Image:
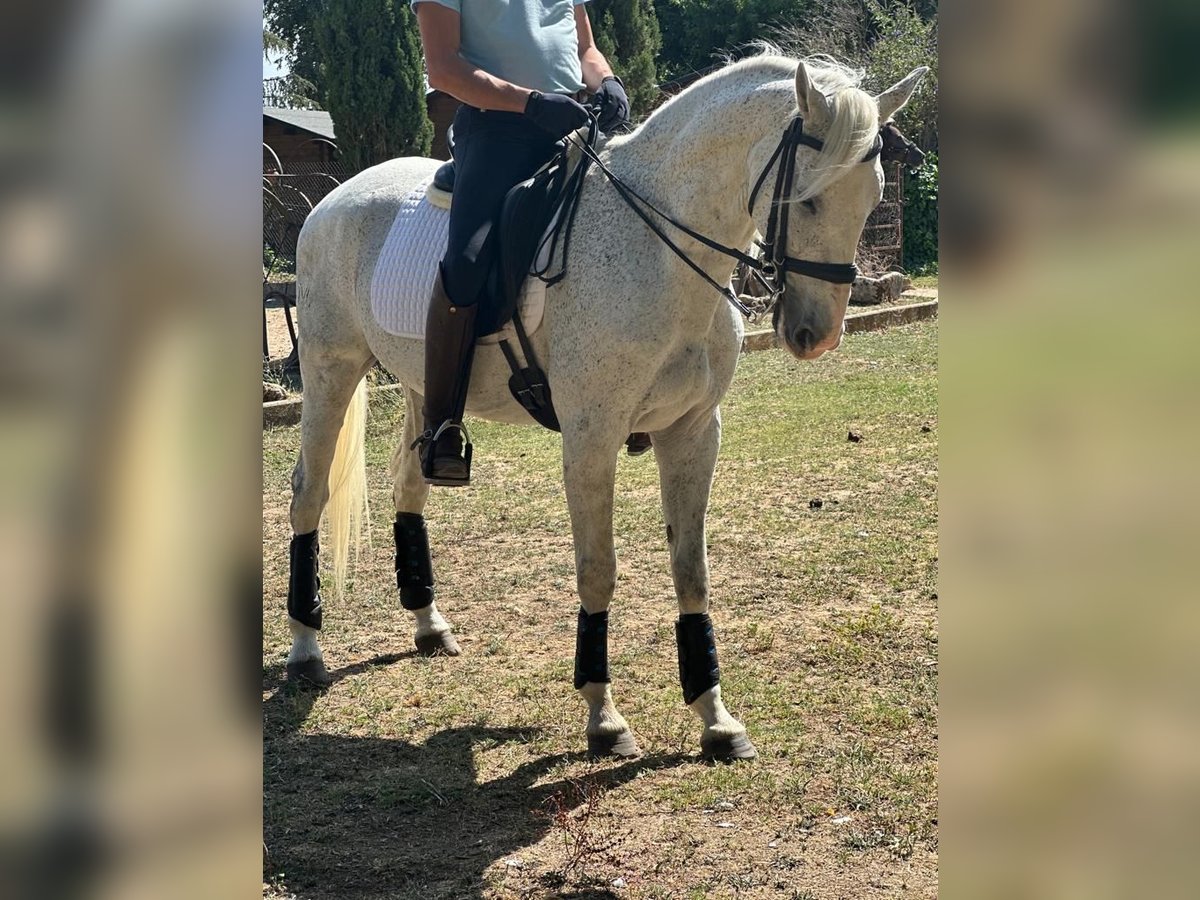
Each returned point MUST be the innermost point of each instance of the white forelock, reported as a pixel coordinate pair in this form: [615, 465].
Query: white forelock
[849, 135]
[855, 123]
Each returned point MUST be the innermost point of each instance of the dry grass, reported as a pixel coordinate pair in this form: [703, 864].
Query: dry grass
[458, 778]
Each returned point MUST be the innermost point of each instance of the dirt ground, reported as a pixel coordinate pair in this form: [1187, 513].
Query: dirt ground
[279, 342]
[465, 778]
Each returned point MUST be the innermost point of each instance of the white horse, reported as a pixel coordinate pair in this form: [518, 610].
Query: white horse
[632, 340]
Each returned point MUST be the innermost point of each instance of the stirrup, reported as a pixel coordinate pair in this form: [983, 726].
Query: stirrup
[428, 456]
[430, 436]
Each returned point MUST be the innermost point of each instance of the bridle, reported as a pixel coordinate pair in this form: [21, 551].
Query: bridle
[775, 263]
[772, 268]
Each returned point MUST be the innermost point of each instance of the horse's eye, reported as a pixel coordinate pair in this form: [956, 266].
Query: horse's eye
[810, 205]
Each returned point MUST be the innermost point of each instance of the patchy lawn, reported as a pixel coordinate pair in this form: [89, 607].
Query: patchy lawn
[458, 778]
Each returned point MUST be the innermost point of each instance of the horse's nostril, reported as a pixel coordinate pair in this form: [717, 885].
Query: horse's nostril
[803, 338]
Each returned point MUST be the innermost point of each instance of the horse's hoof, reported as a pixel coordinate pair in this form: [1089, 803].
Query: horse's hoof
[309, 673]
[726, 748]
[613, 746]
[440, 643]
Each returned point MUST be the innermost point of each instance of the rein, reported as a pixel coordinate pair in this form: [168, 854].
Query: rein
[771, 271]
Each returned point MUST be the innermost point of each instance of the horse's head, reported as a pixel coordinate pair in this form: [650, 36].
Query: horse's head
[837, 182]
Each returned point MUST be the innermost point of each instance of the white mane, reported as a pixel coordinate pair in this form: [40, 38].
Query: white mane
[855, 113]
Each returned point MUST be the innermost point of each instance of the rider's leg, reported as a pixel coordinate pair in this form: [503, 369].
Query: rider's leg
[493, 151]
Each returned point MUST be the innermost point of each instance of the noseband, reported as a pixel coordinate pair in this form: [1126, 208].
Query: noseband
[772, 269]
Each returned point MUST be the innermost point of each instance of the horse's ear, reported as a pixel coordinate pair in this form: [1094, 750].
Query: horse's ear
[891, 100]
[814, 106]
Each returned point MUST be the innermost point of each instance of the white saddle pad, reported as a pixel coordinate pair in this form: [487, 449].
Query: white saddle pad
[403, 279]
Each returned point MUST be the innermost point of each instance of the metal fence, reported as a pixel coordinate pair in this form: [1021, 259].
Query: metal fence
[288, 198]
[880, 247]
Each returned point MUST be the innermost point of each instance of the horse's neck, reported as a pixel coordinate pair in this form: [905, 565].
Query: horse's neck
[691, 160]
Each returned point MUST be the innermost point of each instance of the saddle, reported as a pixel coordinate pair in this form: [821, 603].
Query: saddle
[536, 213]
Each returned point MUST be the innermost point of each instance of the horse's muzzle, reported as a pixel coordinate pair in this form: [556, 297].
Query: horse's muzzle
[807, 339]
[802, 347]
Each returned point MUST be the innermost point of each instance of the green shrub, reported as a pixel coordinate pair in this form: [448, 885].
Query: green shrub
[275, 265]
[887, 39]
[901, 42]
[626, 32]
[920, 252]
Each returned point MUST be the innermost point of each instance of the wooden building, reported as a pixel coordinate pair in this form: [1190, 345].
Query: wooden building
[300, 138]
[440, 108]
[306, 136]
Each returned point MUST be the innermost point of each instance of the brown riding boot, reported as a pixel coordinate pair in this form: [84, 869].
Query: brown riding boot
[638, 443]
[449, 348]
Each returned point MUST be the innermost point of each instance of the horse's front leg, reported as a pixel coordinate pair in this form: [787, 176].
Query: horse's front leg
[687, 456]
[414, 564]
[589, 473]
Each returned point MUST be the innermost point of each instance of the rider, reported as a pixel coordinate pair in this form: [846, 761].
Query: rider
[519, 67]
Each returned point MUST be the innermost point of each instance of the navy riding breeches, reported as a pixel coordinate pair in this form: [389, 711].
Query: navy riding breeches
[492, 152]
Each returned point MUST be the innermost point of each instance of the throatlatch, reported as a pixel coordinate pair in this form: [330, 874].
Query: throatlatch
[414, 567]
[304, 584]
[698, 669]
[591, 649]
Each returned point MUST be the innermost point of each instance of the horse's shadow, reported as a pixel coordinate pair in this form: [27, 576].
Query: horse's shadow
[349, 817]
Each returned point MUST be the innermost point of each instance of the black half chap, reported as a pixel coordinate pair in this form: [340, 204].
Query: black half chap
[414, 566]
[304, 584]
[591, 649]
[698, 670]
[492, 152]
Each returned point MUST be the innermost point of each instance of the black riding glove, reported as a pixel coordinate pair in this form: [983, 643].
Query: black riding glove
[555, 113]
[614, 104]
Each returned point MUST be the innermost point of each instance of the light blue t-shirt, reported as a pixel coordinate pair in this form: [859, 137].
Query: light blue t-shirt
[531, 43]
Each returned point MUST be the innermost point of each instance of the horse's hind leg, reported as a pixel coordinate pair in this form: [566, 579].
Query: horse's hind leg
[414, 566]
[589, 473]
[687, 456]
[330, 380]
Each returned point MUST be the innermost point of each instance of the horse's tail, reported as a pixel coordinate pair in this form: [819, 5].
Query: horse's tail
[347, 511]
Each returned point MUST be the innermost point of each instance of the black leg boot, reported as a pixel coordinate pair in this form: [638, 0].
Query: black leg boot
[449, 348]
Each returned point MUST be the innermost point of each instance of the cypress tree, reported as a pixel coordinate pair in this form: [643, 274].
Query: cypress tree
[373, 79]
[627, 33]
